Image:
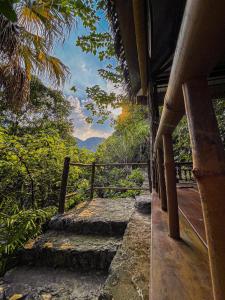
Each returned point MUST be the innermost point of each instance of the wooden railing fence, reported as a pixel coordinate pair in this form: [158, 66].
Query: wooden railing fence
[184, 172]
[67, 164]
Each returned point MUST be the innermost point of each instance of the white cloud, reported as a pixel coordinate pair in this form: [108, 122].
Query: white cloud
[82, 129]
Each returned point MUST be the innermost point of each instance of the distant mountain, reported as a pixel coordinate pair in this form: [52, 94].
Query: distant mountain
[90, 144]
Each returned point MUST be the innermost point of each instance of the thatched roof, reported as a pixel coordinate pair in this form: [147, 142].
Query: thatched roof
[125, 49]
[119, 49]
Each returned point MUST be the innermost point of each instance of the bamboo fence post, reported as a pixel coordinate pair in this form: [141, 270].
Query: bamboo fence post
[171, 190]
[92, 180]
[65, 174]
[149, 175]
[162, 179]
[209, 170]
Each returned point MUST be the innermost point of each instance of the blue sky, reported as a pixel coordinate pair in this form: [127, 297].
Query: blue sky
[83, 68]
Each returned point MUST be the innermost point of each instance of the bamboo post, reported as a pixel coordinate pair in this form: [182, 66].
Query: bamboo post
[62, 197]
[162, 179]
[92, 180]
[209, 170]
[149, 175]
[171, 190]
[156, 176]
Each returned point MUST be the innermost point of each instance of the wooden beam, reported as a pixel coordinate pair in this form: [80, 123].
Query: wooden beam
[170, 176]
[162, 183]
[209, 170]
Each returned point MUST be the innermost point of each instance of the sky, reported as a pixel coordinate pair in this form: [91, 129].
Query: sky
[83, 68]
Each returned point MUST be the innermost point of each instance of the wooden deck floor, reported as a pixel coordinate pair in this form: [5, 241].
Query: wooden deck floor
[179, 269]
[190, 206]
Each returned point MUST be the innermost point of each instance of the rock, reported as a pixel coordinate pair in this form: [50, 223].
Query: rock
[143, 203]
[129, 270]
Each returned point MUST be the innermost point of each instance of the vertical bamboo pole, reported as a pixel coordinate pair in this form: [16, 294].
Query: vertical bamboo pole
[162, 179]
[156, 176]
[92, 180]
[209, 170]
[149, 175]
[65, 175]
[171, 190]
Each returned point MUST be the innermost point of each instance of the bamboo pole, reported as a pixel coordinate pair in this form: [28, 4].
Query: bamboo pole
[170, 176]
[120, 188]
[162, 180]
[65, 174]
[149, 176]
[209, 170]
[92, 180]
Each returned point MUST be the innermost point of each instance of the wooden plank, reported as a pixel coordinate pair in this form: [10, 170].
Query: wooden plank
[179, 269]
[189, 203]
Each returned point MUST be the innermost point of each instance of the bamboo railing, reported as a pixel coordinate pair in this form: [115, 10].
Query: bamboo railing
[67, 164]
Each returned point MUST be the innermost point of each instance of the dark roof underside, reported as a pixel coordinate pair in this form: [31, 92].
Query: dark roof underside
[163, 20]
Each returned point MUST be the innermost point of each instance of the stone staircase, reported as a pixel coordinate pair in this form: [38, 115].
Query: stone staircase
[72, 259]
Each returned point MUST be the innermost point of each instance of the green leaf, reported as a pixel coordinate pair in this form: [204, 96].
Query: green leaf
[6, 8]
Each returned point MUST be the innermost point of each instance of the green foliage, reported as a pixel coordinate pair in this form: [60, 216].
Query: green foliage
[7, 9]
[181, 139]
[101, 100]
[182, 146]
[47, 110]
[17, 226]
[97, 43]
[31, 167]
[118, 177]
[129, 142]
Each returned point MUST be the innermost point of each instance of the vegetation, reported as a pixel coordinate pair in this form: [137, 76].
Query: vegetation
[182, 147]
[33, 144]
[129, 143]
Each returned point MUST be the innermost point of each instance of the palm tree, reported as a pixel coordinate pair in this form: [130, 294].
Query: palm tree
[25, 46]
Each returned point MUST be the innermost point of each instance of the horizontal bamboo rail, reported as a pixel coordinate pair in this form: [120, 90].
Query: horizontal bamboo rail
[109, 165]
[120, 188]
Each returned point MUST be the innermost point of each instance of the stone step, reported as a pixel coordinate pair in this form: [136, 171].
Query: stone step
[42, 283]
[67, 250]
[99, 217]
